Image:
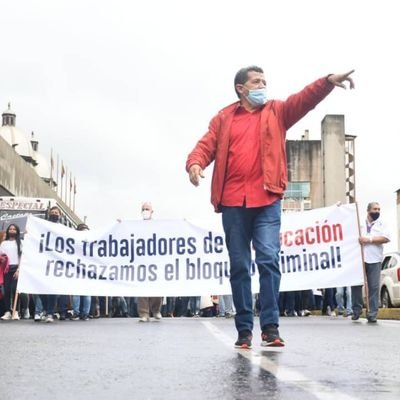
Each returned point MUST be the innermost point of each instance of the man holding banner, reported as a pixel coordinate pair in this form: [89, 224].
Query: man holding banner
[247, 142]
[374, 235]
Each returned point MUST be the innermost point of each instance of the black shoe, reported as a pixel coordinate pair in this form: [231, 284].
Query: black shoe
[75, 317]
[270, 337]
[85, 317]
[355, 316]
[244, 340]
[372, 320]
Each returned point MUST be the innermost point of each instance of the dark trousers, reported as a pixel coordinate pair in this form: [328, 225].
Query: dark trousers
[10, 287]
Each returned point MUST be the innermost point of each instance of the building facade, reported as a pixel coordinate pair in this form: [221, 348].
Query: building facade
[24, 172]
[321, 172]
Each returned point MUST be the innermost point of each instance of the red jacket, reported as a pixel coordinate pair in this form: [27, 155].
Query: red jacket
[4, 267]
[276, 118]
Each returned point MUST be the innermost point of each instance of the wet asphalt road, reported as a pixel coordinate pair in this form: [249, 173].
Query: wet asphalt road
[194, 358]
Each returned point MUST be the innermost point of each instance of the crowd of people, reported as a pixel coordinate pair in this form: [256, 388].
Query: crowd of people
[329, 301]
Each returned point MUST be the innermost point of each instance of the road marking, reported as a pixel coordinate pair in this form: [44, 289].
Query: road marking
[319, 390]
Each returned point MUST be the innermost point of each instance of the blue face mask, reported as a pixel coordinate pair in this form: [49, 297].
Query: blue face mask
[257, 97]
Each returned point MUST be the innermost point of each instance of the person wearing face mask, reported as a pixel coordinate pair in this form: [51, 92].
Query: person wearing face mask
[81, 304]
[50, 300]
[374, 235]
[12, 247]
[149, 305]
[246, 141]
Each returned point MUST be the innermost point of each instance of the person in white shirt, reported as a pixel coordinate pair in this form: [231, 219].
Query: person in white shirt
[374, 235]
[12, 247]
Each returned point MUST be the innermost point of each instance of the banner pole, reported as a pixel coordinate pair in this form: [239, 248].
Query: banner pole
[363, 262]
[14, 310]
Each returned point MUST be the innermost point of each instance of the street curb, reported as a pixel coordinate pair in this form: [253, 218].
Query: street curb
[383, 313]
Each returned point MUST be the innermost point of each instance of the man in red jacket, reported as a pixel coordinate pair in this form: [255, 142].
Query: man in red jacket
[247, 142]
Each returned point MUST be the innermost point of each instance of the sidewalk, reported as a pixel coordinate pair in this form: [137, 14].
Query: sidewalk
[384, 313]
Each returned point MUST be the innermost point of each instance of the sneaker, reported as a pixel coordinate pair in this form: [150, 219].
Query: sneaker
[355, 316]
[85, 317]
[74, 317]
[347, 314]
[372, 320]
[270, 337]
[157, 317]
[49, 319]
[244, 340]
[144, 319]
[6, 316]
[330, 312]
[37, 317]
[15, 316]
[27, 314]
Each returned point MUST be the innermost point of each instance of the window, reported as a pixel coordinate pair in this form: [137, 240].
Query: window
[298, 190]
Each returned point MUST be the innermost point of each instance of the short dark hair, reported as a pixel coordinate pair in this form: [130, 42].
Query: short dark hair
[82, 227]
[242, 75]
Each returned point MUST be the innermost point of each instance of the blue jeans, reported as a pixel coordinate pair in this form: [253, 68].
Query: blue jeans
[340, 299]
[194, 305]
[170, 306]
[76, 304]
[225, 305]
[51, 303]
[38, 303]
[258, 226]
[328, 300]
[293, 303]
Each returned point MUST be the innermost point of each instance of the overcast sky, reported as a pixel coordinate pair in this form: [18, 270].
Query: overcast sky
[122, 90]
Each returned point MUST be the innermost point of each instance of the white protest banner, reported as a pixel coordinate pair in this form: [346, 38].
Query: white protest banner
[320, 249]
[175, 258]
[131, 258]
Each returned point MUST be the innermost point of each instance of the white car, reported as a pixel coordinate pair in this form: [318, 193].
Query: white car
[390, 280]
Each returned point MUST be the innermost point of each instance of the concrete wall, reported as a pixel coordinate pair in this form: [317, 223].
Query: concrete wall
[333, 159]
[305, 164]
[18, 178]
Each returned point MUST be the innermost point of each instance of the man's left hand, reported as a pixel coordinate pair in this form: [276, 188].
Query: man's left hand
[338, 79]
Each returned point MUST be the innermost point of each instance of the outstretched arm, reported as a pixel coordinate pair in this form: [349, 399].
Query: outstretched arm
[298, 105]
